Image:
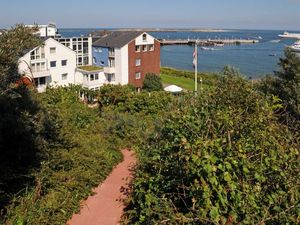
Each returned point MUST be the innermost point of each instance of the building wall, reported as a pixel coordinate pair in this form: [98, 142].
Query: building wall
[53, 75]
[122, 65]
[101, 56]
[83, 79]
[82, 46]
[150, 60]
[62, 53]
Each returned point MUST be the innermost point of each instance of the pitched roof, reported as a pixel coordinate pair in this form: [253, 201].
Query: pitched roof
[117, 39]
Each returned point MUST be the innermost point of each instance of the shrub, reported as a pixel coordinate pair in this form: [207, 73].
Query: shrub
[221, 158]
[152, 82]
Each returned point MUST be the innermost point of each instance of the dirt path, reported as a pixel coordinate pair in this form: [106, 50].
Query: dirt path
[105, 207]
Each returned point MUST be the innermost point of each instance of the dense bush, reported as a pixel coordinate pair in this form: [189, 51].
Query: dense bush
[221, 158]
[152, 82]
[69, 168]
[286, 85]
[25, 130]
[125, 99]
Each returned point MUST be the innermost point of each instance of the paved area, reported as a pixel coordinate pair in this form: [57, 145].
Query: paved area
[105, 207]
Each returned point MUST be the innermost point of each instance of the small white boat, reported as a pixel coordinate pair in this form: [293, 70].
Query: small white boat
[275, 41]
[207, 48]
[219, 45]
[295, 47]
[289, 35]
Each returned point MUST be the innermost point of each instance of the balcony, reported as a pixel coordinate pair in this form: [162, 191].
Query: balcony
[109, 70]
[44, 73]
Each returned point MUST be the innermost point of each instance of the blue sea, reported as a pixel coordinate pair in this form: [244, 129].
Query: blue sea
[253, 60]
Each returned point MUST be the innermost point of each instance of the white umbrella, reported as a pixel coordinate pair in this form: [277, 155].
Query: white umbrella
[173, 89]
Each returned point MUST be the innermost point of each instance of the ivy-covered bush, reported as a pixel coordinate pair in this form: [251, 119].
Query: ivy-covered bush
[221, 158]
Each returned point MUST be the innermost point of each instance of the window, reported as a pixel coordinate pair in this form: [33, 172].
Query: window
[42, 81]
[137, 62]
[144, 48]
[137, 48]
[150, 47]
[144, 37]
[52, 50]
[111, 62]
[64, 76]
[92, 77]
[138, 75]
[94, 60]
[110, 77]
[63, 62]
[53, 64]
[96, 76]
[85, 60]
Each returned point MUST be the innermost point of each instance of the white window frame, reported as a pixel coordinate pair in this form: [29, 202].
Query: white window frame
[52, 50]
[138, 75]
[64, 76]
[137, 48]
[138, 62]
[52, 62]
[144, 48]
[64, 60]
[150, 48]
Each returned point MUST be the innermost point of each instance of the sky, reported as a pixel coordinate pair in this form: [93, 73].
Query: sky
[222, 14]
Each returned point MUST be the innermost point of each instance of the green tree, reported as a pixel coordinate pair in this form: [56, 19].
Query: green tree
[229, 70]
[24, 126]
[152, 82]
[13, 45]
[286, 85]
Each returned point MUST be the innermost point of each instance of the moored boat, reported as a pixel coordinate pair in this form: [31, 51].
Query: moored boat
[289, 35]
[295, 47]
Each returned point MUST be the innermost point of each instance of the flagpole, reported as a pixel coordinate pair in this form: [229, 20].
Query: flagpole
[196, 67]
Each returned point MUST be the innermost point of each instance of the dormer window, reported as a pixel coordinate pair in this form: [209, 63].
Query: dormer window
[144, 37]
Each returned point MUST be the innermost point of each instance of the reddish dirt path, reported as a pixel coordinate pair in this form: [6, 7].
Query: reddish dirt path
[105, 207]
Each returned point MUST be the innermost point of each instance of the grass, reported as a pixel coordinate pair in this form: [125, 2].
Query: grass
[183, 82]
[185, 79]
[90, 68]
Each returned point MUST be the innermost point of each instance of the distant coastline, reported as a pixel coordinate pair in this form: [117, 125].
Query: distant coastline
[173, 30]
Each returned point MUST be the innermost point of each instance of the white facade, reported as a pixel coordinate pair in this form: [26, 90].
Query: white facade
[144, 39]
[91, 80]
[120, 68]
[49, 30]
[121, 65]
[51, 64]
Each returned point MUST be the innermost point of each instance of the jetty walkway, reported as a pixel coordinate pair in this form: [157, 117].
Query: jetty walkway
[207, 42]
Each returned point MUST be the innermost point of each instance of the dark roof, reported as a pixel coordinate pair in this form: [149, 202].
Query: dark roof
[2, 30]
[117, 39]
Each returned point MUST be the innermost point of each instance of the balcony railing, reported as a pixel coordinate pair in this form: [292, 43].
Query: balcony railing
[109, 70]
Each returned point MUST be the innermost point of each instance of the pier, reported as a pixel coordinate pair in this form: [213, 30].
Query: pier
[207, 42]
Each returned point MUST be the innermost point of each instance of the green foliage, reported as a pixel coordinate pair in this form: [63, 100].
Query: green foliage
[25, 130]
[114, 94]
[229, 70]
[219, 158]
[286, 85]
[13, 45]
[81, 158]
[152, 82]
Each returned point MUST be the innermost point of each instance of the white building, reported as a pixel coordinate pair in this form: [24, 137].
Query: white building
[91, 77]
[82, 46]
[50, 64]
[54, 64]
[49, 30]
[127, 56]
